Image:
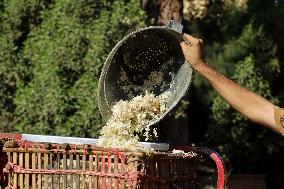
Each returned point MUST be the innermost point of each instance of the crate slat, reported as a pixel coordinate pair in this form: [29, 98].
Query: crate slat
[103, 170]
[33, 167]
[77, 177]
[83, 168]
[27, 165]
[96, 170]
[21, 163]
[45, 166]
[51, 165]
[115, 171]
[15, 161]
[64, 168]
[91, 164]
[57, 177]
[71, 167]
[109, 179]
[39, 160]
[122, 168]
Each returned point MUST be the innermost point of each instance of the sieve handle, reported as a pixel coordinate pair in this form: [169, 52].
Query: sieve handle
[174, 25]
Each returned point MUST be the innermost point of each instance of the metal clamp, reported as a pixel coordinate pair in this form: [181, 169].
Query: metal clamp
[176, 26]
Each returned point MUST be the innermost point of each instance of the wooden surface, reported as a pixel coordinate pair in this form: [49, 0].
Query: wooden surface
[37, 166]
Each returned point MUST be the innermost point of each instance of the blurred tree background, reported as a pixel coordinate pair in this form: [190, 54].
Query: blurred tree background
[51, 55]
[242, 41]
[51, 52]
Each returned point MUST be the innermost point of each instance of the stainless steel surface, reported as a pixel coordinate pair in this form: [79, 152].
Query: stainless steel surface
[175, 26]
[77, 140]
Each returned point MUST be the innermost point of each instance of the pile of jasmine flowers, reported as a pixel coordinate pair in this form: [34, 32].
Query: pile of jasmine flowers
[130, 119]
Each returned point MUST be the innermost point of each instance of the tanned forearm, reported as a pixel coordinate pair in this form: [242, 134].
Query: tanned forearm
[251, 105]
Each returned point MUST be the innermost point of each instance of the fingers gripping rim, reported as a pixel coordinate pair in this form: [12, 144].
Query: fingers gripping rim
[186, 41]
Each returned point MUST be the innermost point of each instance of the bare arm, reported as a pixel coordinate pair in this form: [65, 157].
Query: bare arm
[251, 105]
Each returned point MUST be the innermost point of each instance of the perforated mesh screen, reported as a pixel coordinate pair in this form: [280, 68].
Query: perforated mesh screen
[150, 60]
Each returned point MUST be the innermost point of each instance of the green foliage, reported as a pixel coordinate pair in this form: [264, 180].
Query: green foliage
[254, 65]
[52, 55]
[239, 44]
[16, 21]
[250, 77]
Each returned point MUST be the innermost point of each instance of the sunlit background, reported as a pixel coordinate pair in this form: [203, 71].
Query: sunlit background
[51, 53]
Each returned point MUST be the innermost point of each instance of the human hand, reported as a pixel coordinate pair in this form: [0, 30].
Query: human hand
[193, 50]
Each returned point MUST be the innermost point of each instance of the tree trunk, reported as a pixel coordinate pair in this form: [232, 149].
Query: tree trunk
[170, 129]
[163, 10]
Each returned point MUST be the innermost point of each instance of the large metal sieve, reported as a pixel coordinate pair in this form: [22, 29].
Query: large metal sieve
[151, 54]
